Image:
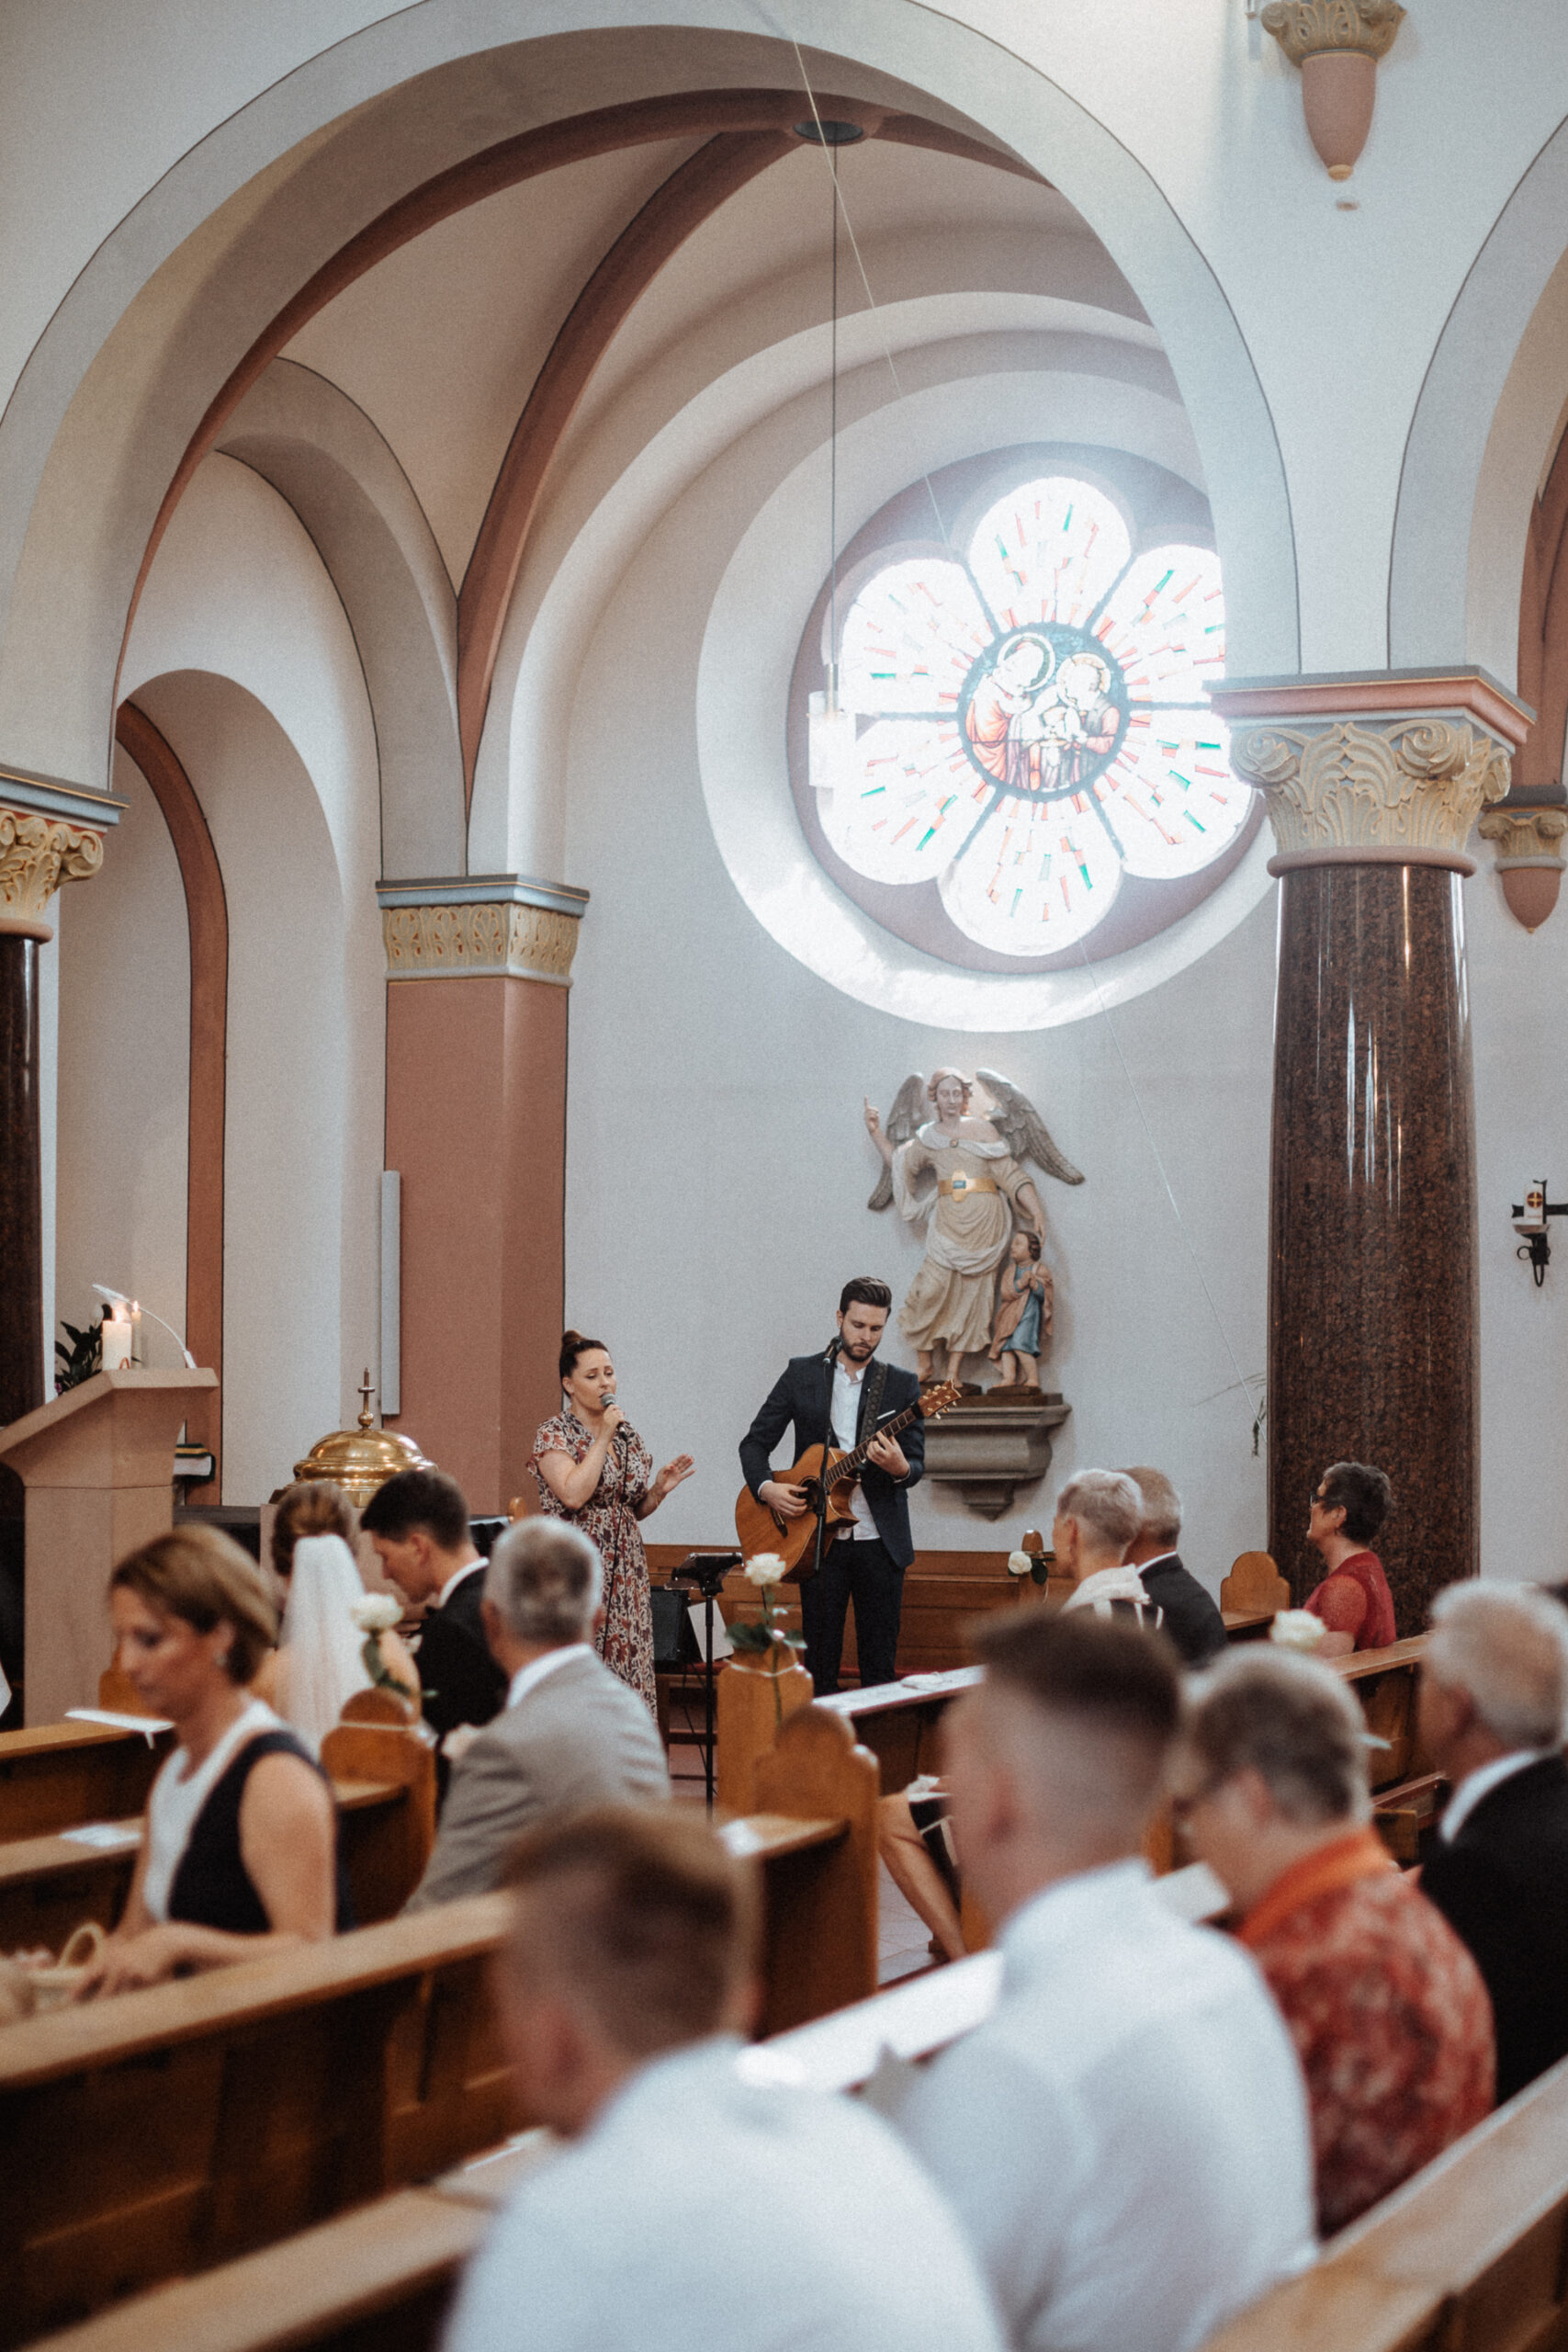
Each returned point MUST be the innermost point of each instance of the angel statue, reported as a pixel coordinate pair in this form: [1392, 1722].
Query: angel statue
[963, 1179]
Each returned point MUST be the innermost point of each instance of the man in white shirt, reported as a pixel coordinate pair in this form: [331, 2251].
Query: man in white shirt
[1099, 1514]
[571, 1734]
[1494, 1703]
[696, 2207]
[1126, 2138]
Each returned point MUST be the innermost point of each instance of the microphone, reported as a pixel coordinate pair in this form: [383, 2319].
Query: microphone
[834, 1345]
[609, 1398]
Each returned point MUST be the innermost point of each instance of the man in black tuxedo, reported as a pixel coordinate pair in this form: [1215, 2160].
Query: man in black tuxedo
[1493, 1699]
[418, 1523]
[865, 1564]
[1190, 1617]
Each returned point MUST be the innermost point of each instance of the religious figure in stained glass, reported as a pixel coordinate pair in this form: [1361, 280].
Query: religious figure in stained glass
[1030, 720]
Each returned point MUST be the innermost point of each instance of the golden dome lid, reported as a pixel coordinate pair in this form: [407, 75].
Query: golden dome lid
[360, 1459]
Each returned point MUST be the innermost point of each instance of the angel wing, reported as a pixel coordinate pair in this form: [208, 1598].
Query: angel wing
[902, 1122]
[1022, 1129]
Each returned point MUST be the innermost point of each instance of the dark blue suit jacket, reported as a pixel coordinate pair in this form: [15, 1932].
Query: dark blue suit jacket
[804, 1396]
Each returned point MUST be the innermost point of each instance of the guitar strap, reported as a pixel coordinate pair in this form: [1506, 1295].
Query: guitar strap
[875, 1382]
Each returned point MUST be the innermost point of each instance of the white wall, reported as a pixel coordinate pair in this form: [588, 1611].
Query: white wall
[123, 1065]
[718, 1167]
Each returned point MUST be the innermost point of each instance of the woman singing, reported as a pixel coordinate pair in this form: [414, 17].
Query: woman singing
[594, 1469]
[239, 1854]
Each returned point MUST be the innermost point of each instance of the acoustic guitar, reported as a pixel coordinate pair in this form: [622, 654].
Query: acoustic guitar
[759, 1527]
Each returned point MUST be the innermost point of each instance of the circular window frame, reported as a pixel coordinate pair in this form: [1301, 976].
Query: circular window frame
[1156, 505]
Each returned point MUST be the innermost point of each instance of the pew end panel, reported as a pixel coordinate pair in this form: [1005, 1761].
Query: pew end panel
[1254, 1584]
[386, 1850]
[749, 1709]
[50, 1886]
[821, 1903]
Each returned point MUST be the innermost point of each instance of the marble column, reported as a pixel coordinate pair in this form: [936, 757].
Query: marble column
[479, 972]
[43, 843]
[1373, 785]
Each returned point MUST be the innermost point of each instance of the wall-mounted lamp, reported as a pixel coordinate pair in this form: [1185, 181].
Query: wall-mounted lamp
[1530, 1222]
[1337, 43]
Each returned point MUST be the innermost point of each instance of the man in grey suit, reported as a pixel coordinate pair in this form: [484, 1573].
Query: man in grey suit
[570, 1734]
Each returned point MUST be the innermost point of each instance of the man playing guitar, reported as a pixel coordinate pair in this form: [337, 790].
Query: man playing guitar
[841, 1398]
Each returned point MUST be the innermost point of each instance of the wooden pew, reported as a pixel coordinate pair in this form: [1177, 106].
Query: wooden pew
[174, 2129]
[379, 2279]
[383, 1779]
[60, 1774]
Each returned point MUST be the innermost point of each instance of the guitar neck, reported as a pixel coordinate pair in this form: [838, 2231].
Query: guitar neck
[854, 1464]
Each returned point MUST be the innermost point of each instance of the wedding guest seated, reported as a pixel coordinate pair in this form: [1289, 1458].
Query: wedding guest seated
[418, 1523]
[697, 2203]
[1125, 2137]
[239, 1856]
[1385, 2006]
[1349, 1504]
[571, 1734]
[1493, 1708]
[318, 1662]
[1099, 1516]
[1190, 1617]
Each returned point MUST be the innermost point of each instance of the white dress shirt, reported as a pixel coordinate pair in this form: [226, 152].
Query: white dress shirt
[469, 1569]
[702, 2213]
[1125, 2138]
[847, 1386]
[1481, 1783]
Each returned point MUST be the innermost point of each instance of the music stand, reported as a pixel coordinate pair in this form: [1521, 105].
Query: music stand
[706, 1572]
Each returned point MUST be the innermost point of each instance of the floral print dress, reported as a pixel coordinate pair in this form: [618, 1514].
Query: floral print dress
[608, 1519]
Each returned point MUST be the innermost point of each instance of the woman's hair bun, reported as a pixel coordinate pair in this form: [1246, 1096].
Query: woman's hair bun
[571, 1338]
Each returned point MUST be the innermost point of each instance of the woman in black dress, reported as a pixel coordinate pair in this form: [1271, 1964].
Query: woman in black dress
[239, 1854]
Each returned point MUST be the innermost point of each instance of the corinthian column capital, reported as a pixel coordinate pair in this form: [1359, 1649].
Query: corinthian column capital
[1376, 769]
[45, 841]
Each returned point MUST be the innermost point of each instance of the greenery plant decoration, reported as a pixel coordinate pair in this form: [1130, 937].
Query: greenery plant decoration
[81, 1360]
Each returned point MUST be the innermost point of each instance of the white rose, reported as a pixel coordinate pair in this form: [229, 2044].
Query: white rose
[375, 1613]
[1019, 1563]
[1297, 1629]
[766, 1569]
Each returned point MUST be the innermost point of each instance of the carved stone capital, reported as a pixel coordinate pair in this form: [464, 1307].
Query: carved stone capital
[1343, 791]
[1530, 859]
[483, 941]
[1532, 833]
[1306, 28]
[37, 853]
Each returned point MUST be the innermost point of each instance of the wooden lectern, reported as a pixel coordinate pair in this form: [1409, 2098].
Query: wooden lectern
[98, 1465]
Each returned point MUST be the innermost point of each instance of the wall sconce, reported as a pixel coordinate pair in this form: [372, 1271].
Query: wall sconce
[1337, 43]
[1529, 1221]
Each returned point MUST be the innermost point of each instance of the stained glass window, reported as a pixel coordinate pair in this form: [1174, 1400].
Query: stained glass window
[1031, 724]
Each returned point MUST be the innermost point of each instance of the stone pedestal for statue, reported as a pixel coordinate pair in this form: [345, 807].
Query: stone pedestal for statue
[99, 1467]
[1373, 784]
[988, 1450]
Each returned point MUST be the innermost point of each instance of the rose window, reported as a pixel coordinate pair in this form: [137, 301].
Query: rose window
[1029, 729]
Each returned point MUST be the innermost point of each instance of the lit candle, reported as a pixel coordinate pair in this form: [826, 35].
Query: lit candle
[116, 1343]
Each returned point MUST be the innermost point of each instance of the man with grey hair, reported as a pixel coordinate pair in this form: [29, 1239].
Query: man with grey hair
[1099, 1514]
[1493, 1699]
[570, 1734]
[1385, 2006]
[1190, 1617]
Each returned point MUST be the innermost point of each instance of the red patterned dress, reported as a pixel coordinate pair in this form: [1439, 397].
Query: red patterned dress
[608, 1519]
[1354, 1599]
[1389, 2018]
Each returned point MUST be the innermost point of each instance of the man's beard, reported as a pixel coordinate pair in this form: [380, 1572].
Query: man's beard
[860, 1351]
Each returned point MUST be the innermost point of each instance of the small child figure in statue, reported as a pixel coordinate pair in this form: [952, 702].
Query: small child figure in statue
[1024, 1300]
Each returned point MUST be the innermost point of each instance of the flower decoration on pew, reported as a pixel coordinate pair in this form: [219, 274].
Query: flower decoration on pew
[1297, 1629]
[770, 1632]
[376, 1613]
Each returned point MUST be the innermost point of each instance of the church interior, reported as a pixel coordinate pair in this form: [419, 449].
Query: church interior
[733, 676]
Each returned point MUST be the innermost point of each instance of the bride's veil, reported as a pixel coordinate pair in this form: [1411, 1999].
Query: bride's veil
[321, 1666]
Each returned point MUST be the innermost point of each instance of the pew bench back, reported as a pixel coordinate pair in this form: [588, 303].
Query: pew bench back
[58, 1775]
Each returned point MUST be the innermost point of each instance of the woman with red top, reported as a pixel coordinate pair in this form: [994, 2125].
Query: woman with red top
[1349, 1505]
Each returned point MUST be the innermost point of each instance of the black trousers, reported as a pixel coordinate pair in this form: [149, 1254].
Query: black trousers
[862, 1573]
